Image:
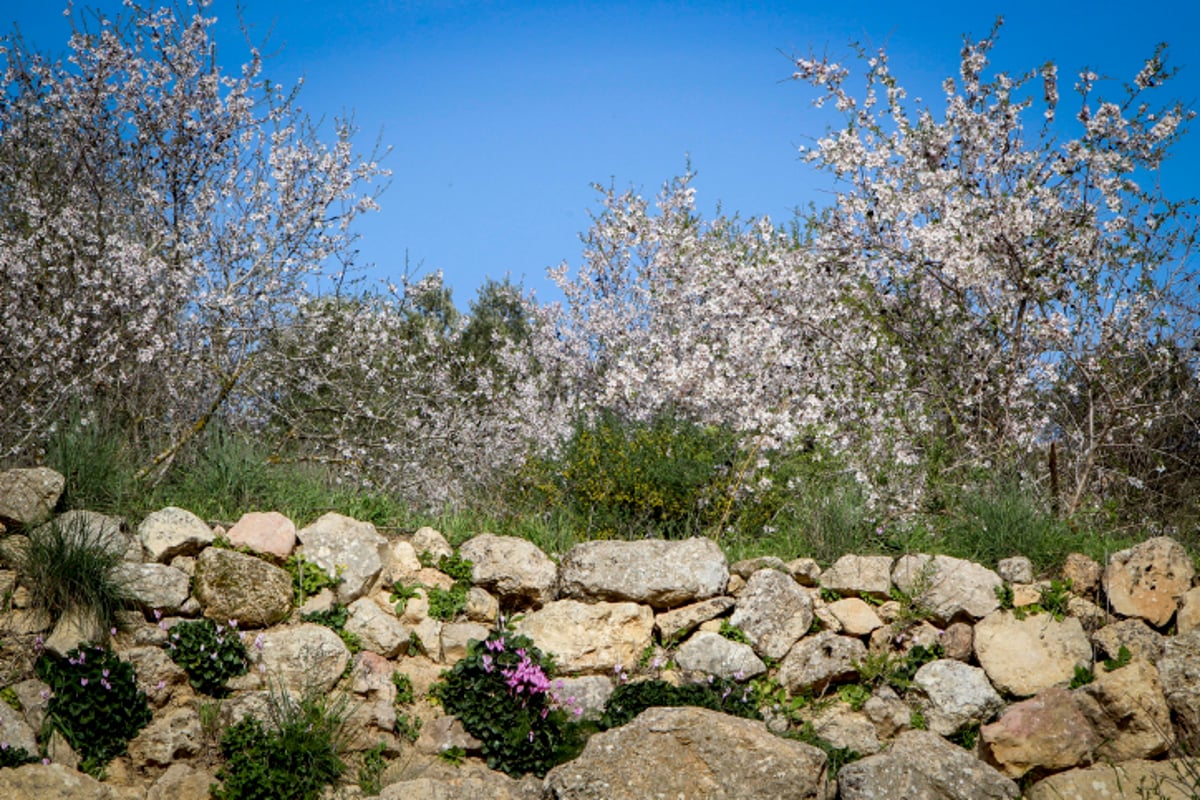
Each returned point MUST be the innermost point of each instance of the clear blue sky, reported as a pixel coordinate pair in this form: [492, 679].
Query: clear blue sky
[501, 114]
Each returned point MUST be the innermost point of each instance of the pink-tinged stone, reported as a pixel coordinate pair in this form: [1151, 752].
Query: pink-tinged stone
[264, 532]
[1047, 731]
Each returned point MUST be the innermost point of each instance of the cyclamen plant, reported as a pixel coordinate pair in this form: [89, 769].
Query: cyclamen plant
[502, 692]
[211, 654]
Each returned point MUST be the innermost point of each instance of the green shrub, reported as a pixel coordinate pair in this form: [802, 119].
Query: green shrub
[718, 694]
[95, 703]
[293, 758]
[71, 568]
[446, 604]
[371, 770]
[501, 693]
[211, 654]
[15, 756]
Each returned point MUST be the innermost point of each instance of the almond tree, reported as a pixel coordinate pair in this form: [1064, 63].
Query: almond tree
[160, 217]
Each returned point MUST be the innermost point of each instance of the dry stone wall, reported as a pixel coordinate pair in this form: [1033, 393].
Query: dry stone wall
[946, 678]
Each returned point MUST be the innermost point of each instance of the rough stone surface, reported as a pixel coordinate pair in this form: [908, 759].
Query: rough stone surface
[773, 611]
[1148, 579]
[1047, 731]
[428, 540]
[457, 635]
[805, 571]
[233, 585]
[657, 573]
[590, 637]
[1127, 709]
[155, 586]
[169, 736]
[77, 627]
[306, 657]
[1017, 569]
[181, 782]
[264, 532]
[51, 782]
[958, 641]
[860, 575]
[345, 548]
[379, 630]
[515, 570]
[843, 727]
[1179, 670]
[949, 588]
[818, 661]
[920, 765]
[28, 496]
[713, 755]
[588, 693]
[955, 695]
[713, 654]
[1134, 635]
[682, 621]
[171, 532]
[748, 566]
[1083, 572]
[1188, 617]
[1131, 780]
[1022, 657]
[105, 530]
[855, 616]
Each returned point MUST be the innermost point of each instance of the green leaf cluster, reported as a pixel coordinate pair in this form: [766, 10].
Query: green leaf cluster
[335, 618]
[718, 694]
[95, 703]
[211, 654]
[307, 578]
[521, 732]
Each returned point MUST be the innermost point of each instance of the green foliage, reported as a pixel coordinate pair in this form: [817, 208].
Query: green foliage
[308, 578]
[371, 770]
[294, 758]
[404, 688]
[835, 757]
[966, 737]
[1123, 658]
[733, 633]
[459, 568]
[917, 721]
[401, 594]
[1056, 598]
[97, 461]
[454, 755]
[446, 604]
[70, 567]
[718, 694]
[854, 694]
[1083, 676]
[9, 695]
[211, 654]
[95, 703]
[896, 671]
[408, 727]
[15, 756]
[501, 693]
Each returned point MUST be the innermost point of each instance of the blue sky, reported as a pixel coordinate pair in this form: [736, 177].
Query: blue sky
[501, 115]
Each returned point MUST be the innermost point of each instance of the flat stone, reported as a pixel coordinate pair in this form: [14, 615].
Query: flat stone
[920, 765]
[654, 572]
[713, 654]
[1047, 732]
[264, 532]
[171, 532]
[590, 638]
[860, 575]
[679, 622]
[1023, 657]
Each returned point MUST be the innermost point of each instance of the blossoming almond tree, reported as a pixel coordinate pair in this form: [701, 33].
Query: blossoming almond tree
[160, 217]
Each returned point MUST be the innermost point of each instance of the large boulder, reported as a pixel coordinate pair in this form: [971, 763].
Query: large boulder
[862, 576]
[1179, 670]
[1147, 580]
[348, 549]
[699, 753]
[948, 588]
[1046, 732]
[1128, 711]
[231, 585]
[818, 661]
[773, 611]
[657, 573]
[299, 658]
[1024, 656]
[590, 637]
[514, 569]
[920, 765]
[28, 496]
[171, 532]
[955, 695]
[155, 586]
[1175, 779]
[51, 782]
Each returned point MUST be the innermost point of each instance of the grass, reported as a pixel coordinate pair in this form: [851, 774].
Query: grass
[72, 568]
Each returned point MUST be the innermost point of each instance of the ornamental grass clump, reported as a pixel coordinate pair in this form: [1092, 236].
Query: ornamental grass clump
[211, 654]
[95, 703]
[501, 692]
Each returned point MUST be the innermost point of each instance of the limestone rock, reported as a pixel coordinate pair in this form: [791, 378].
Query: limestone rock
[590, 637]
[15, 731]
[402, 564]
[1135, 635]
[855, 616]
[51, 782]
[426, 540]
[105, 530]
[843, 727]
[1130, 780]
[345, 548]
[951, 589]
[1179, 670]
[805, 571]
[171, 532]
[170, 736]
[711, 755]
[1147, 580]
[232, 585]
[482, 607]
[372, 683]
[443, 733]
[587, 694]
[748, 566]
[681, 621]
[301, 658]
[1047, 732]
[920, 765]
[1017, 569]
[1128, 711]
[379, 631]
[28, 496]
[860, 575]
[264, 532]
[887, 712]
[713, 654]
[958, 641]
[155, 586]
[182, 782]
[470, 786]
[654, 572]
[456, 636]
[817, 661]
[1188, 617]
[157, 675]
[514, 569]
[77, 627]
[773, 611]
[1023, 657]
[955, 695]
[1083, 572]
